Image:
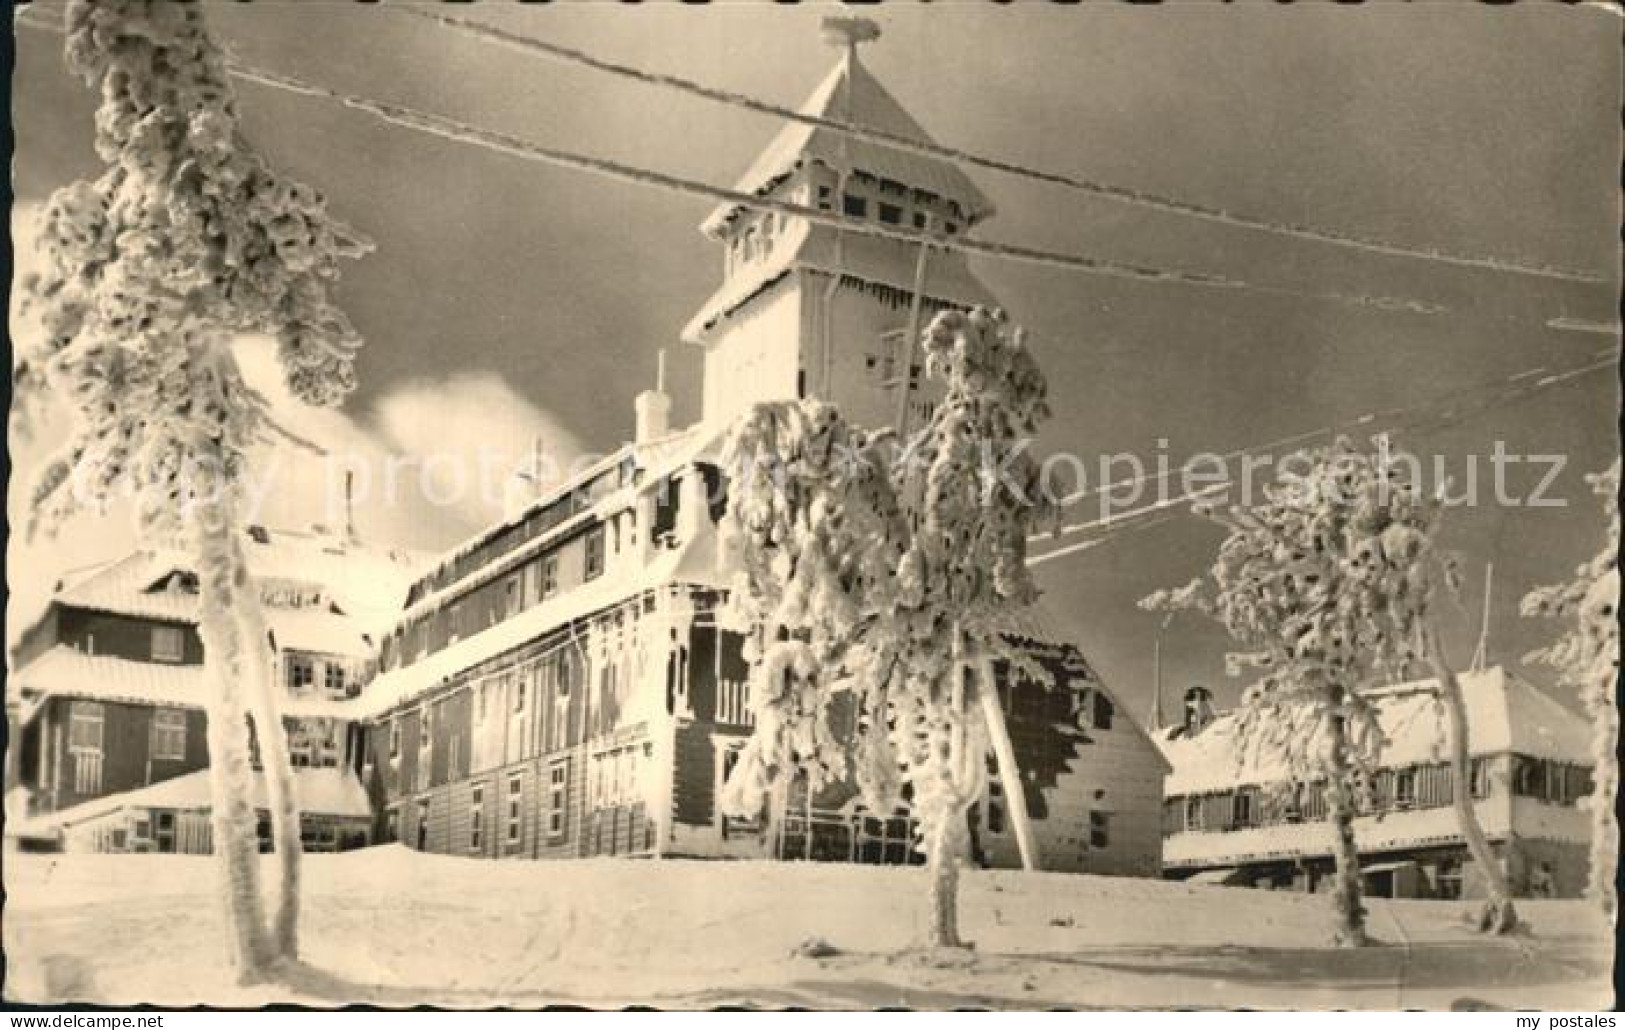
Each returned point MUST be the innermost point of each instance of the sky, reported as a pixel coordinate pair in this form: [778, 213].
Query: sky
[508, 301]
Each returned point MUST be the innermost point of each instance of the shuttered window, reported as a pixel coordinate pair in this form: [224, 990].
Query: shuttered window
[168, 645]
[168, 734]
[85, 720]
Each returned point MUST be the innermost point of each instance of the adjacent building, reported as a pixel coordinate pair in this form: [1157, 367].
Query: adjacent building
[1240, 820]
[109, 719]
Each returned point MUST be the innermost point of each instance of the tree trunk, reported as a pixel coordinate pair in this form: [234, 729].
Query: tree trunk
[278, 768]
[1605, 783]
[945, 846]
[1346, 893]
[1498, 914]
[1015, 794]
[233, 816]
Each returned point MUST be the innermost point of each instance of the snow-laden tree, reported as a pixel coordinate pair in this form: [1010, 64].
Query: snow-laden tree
[187, 239]
[1330, 582]
[813, 536]
[1587, 657]
[891, 589]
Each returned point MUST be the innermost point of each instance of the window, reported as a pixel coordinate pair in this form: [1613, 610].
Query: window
[950, 228]
[392, 824]
[1241, 808]
[891, 214]
[85, 726]
[856, 207]
[1194, 815]
[558, 782]
[595, 552]
[1405, 788]
[1292, 805]
[519, 694]
[919, 219]
[1528, 777]
[1099, 829]
[550, 576]
[510, 597]
[1479, 771]
[333, 678]
[824, 198]
[168, 734]
[476, 815]
[168, 645]
[301, 672]
[1103, 711]
[395, 737]
[995, 799]
[516, 796]
[1447, 879]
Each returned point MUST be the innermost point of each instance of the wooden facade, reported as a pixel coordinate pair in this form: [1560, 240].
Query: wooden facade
[78, 750]
[613, 733]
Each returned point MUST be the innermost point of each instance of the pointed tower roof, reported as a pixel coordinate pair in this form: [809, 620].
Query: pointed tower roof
[851, 93]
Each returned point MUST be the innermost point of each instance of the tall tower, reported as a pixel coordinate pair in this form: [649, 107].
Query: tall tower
[813, 310]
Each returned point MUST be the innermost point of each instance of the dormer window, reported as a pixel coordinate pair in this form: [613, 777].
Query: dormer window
[950, 228]
[854, 206]
[891, 214]
[824, 194]
[919, 219]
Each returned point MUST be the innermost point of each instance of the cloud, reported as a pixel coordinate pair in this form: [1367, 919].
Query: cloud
[428, 464]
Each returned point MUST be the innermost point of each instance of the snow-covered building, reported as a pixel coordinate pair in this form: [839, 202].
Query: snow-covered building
[559, 685]
[813, 310]
[110, 690]
[1238, 819]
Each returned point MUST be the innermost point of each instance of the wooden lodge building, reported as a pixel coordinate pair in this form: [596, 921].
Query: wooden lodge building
[559, 686]
[1240, 822]
[108, 723]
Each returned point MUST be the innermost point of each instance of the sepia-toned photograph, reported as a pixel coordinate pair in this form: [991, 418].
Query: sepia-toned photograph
[833, 506]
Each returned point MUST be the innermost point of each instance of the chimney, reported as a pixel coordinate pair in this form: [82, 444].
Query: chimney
[653, 407]
[1198, 709]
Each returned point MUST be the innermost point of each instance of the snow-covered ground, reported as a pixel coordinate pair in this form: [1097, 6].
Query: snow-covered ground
[391, 927]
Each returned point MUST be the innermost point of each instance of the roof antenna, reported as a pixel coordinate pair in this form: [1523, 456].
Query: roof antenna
[349, 505]
[1481, 654]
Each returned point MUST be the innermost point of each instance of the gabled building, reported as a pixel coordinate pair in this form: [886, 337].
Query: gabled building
[1233, 818]
[559, 685]
[813, 310]
[111, 694]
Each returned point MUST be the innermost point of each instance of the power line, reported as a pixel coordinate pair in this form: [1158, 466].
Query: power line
[1512, 387]
[1139, 198]
[457, 131]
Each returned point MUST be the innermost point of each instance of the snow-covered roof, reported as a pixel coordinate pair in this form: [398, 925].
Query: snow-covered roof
[692, 562]
[866, 258]
[62, 671]
[850, 93]
[653, 459]
[367, 585]
[333, 792]
[1373, 834]
[319, 631]
[1504, 714]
